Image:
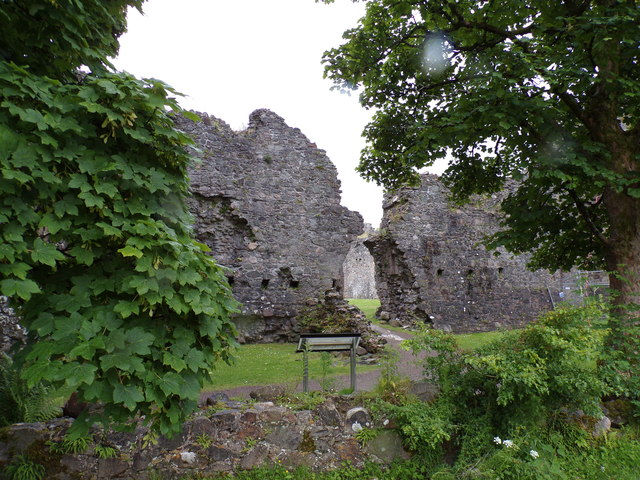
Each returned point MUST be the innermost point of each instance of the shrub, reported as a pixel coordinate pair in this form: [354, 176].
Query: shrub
[21, 403]
[526, 381]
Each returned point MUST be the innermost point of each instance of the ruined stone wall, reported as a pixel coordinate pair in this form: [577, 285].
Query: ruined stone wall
[227, 437]
[430, 266]
[10, 330]
[359, 269]
[267, 202]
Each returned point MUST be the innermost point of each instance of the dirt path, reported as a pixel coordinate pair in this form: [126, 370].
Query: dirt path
[365, 381]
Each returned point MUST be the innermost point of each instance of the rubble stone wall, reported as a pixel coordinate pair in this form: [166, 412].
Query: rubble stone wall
[359, 269]
[430, 266]
[10, 330]
[267, 202]
[226, 437]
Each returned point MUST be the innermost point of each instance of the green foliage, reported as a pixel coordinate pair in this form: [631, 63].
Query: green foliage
[20, 402]
[365, 435]
[21, 468]
[404, 470]
[473, 341]
[535, 91]
[508, 409]
[424, 427]
[71, 445]
[436, 367]
[204, 440]
[326, 368]
[121, 304]
[106, 451]
[391, 386]
[620, 365]
[249, 443]
[303, 400]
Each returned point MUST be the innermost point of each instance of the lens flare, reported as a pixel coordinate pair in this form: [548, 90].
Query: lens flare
[436, 51]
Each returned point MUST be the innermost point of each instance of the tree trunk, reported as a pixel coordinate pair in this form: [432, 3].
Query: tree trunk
[622, 255]
[623, 262]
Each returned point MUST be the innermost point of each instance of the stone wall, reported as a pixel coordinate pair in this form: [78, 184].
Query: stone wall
[430, 266]
[267, 202]
[10, 330]
[359, 269]
[225, 437]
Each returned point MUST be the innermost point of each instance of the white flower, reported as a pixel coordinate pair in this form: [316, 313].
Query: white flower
[497, 440]
[534, 454]
[508, 443]
[356, 427]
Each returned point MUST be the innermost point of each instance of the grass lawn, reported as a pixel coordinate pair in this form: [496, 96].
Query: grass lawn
[466, 341]
[471, 341]
[369, 307]
[271, 363]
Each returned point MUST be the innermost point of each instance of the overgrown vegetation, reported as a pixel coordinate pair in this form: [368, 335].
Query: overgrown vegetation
[22, 468]
[327, 317]
[407, 470]
[97, 257]
[20, 402]
[524, 406]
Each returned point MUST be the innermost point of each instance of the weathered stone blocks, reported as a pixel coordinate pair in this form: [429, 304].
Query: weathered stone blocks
[359, 269]
[431, 267]
[214, 441]
[267, 202]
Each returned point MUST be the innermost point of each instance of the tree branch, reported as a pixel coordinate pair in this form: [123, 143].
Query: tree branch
[584, 213]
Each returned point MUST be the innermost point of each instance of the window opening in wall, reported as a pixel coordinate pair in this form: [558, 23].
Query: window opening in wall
[265, 283]
[231, 280]
[500, 270]
[440, 272]
[294, 284]
[469, 273]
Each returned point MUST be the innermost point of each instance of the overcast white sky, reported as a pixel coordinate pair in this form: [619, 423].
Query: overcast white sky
[233, 57]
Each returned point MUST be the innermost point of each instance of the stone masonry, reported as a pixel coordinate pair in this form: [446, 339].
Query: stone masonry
[359, 268]
[226, 437]
[430, 266]
[10, 330]
[267, 202]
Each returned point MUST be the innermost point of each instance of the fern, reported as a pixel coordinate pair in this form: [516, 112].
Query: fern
[22, 468]
[21, 403]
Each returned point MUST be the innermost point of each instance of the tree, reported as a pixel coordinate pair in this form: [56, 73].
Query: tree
[540, 91]
[121, 304]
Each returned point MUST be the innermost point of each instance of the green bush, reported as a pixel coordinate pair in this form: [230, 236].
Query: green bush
[510, 409]
[22, 468]
[20, 402]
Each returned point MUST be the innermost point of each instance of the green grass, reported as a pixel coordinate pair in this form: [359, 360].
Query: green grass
[272, 363]
[369, 307]
[466, 341]
[472, 341]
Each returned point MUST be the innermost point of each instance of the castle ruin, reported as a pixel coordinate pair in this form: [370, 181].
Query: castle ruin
[431, 267]
[267, 202]
[359, 268]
